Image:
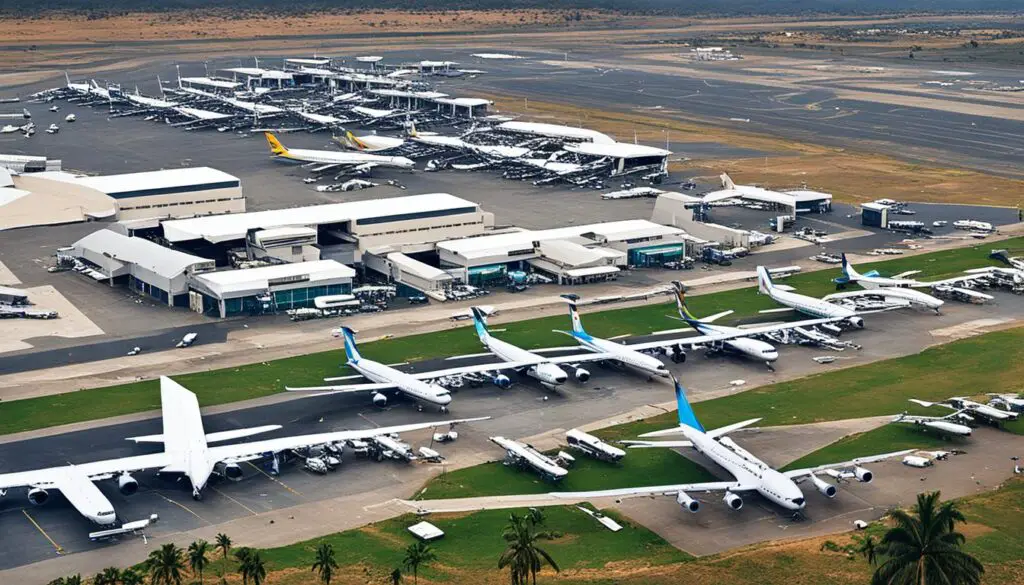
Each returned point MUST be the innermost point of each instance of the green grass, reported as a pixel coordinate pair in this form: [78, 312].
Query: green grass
[655, 466]
[1003, 512]
[875, 442]
[473, 542]
[262, 379]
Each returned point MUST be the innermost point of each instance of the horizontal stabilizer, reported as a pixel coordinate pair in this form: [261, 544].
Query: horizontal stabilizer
[779, 310]
[906, 274]
[784, 287]
[721, 432]
[340, 378]
[471, 355]
[717, 316]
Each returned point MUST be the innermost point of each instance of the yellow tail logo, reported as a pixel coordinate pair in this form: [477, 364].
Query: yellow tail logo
[359, 144]
[275, 145]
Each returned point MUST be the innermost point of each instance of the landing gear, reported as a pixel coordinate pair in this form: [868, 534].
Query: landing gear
[197, 495]
[771, 368]
[444, 410]
[419, 408]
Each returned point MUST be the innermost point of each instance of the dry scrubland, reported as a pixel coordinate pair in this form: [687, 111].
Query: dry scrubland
[852, 175]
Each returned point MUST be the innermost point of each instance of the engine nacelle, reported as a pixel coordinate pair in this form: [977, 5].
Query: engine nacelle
[127, 484]
[824, 488]
[502, 381]
[863, 475]
[733, 501]
[856, 322]
[379, 399]
[677, 354]
[231, 471]
[582, 375]
[38, 496]
[687, 503]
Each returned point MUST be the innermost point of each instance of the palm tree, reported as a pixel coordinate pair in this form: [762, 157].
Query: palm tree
[130, 577]
[242, 556]
[536, 517]
[223, 544]
[325, 564]
[867, 547]
[109, 576]
[197, 559]
[166, 565]
[417, 554]
[72, 580]
[923, 548]
[396, 576]
[252, 567]
[522, 555]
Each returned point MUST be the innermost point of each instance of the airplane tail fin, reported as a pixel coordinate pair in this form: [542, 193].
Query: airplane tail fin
[412, 129]
[686, 415]
[764, 281]
[577, 323]
[727, 182]
[275, 145]
[353, 141]
[1002, 256]
[67, 78]
[351, 352]
[684, 311]
[478, 323]
[181, 418]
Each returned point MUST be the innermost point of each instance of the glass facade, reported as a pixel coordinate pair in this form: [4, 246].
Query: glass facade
[277, 301]
[655, 255]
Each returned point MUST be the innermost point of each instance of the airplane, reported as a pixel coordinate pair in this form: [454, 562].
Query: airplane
[187, 451]
[1012, 402]
[898, 286]
[1004, 257]
[624, 354]
[989, 413]
[785, 295]
[943, 424]
[369, 142]
[753, 348]
[750, 473]
[523, 455]
[544, 370]
[330, 159]
[418, 386]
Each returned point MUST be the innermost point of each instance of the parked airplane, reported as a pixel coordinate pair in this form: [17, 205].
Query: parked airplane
[943, 424]
[753, 348]
[898, 286]
[544, 370]
[785, 295]
[369, 142]
[419, 386]
[1014, 402]
[991, 414]
[330, 159]
[750, 473]
[523, 455]
[187, 451]
[624, 354]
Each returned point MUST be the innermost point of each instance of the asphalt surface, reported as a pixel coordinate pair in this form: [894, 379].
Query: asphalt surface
[521, 411]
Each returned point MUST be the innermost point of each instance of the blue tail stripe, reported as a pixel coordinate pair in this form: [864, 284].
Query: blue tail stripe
[350, 345]
[686, 415]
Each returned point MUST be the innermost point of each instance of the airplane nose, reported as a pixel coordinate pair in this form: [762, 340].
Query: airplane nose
[446, 399]
[771, 357]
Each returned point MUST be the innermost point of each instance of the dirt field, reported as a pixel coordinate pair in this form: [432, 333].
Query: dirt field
[851, 175]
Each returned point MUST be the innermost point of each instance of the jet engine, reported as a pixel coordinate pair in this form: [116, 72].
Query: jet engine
[733, 501]
[824, 488]
[677, 354]
[502, 381]
[687, 503]
[38, 496]
[856, 322]
[127, 484]
[379, 399]
[229, 470]
[582, 375]
[863, 475]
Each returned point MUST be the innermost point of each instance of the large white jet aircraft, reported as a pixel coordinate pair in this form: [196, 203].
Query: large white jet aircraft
[750, 473]
[943, 424]
[418, 386]
[785, 295]
[754, 348]
[965, 405]
[187, 451]
[897, 286]
[331, 159]
[624, 354]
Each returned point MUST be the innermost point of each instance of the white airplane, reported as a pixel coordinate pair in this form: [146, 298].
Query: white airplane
[989, 413]
[418, 386]
[522, 454]
[943, 424]
[368, 142]
[1014, 402]
[544, 370]
[897, 286]
[785, 295]
[624, 354]
[331, 159]
[750, 473]
[491, 152]
[187, 451]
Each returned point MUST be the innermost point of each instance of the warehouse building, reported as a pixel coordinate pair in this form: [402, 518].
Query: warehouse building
[146, 267]
[677, 209]
[268, 289]
[626, 158]
[344, 231]
[571, 255]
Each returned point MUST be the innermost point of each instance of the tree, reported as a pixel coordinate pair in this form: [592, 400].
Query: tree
[324, 565]
[242, 556]
[396, 576]
[417, 554]
[924, 549]
[72, 580]
[165, 565]
[197, 559]
[130, 577]
[867, 547]
[253, 568]
[223, 544]
[536, 517]
[522, 555]
[109, 576]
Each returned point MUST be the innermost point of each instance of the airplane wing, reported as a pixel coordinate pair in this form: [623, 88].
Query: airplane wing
[750, 332]
[659, 490]
[955, 280]
[799, 474]
[72, 474]
[927, 404]
[343, 388]
[257, 449]
[653, 444]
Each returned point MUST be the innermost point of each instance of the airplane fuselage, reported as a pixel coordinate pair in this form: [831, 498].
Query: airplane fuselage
[345, 158]
[814, 307]
[647, 364]
[753, 348]
[545, 372]
[410, 385]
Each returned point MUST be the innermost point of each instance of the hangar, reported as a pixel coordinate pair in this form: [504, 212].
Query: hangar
[151, 269]
[566, 133]
[626, 157]
[268, 289]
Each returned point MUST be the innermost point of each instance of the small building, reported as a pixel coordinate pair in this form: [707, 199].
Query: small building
[151, 269]
[409, 272]
[12, 296]
[680, 210]
[268, 289]
[874, 215]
